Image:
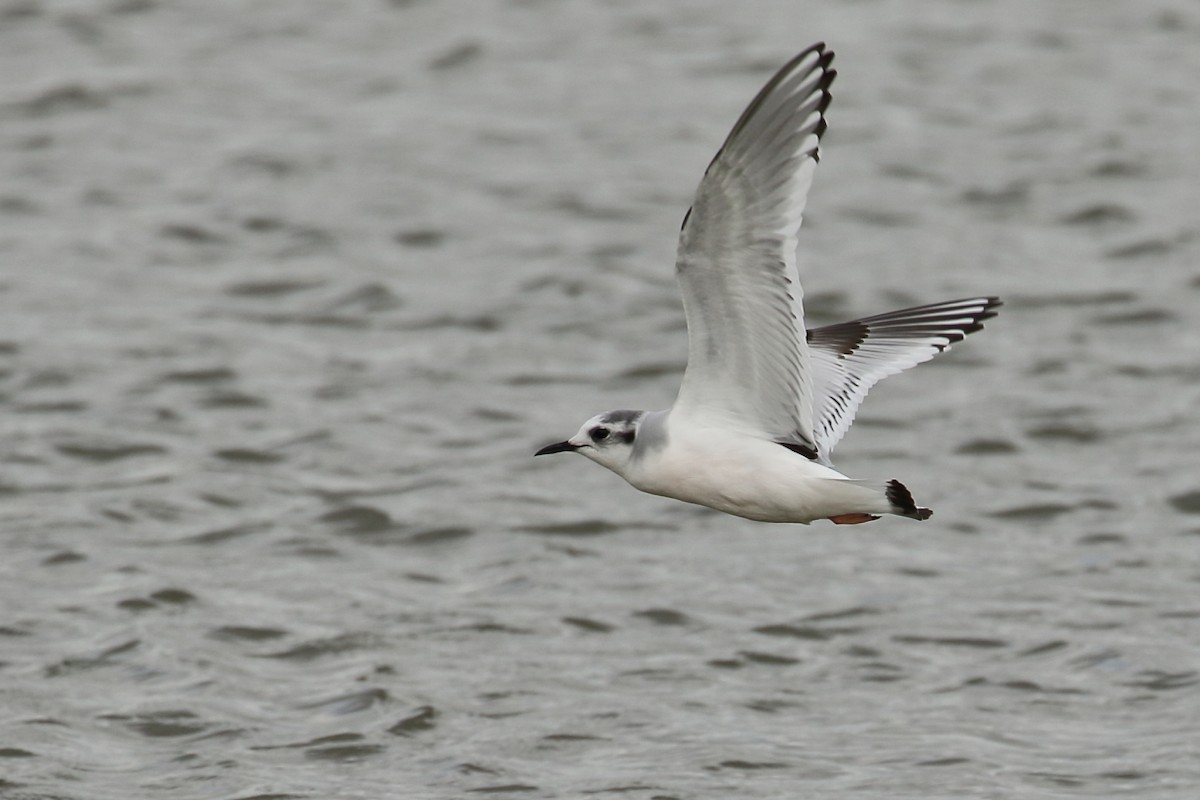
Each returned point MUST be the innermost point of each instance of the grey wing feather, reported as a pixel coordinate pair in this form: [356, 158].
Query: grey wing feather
[850, 357]
[748, 363]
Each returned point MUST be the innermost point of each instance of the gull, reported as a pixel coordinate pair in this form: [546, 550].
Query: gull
[763, 400]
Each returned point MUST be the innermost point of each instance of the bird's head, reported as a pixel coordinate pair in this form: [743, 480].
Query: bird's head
[608, 439]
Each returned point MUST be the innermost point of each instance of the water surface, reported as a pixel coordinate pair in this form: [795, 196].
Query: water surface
[292, 291]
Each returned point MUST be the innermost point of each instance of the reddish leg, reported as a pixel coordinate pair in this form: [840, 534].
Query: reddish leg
[852, 519]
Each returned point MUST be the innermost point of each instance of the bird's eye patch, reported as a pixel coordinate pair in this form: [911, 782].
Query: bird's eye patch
[599, 434]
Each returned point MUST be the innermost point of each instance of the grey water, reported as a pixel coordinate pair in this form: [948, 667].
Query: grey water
[291, 291]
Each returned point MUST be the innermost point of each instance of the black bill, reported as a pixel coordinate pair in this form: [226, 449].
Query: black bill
[557, 447]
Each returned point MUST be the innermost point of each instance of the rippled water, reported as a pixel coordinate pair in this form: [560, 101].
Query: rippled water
[292, 290]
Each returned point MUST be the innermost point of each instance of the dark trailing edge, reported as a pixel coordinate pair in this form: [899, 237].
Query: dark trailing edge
[951, 320]
[785, 72]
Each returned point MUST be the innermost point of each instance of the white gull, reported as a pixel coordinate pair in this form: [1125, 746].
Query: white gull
[764, 401]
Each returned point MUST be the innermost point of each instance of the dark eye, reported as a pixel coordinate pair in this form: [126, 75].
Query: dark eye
[599, 434]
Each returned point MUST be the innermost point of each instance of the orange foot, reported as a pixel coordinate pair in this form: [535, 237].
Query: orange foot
[852, 519]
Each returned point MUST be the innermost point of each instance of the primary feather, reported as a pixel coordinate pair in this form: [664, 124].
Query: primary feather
[850, 357]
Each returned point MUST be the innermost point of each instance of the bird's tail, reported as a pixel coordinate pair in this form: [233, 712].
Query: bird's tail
[902, 502]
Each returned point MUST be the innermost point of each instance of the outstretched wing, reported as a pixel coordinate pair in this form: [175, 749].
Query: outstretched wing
[850, 357]
[748, 363]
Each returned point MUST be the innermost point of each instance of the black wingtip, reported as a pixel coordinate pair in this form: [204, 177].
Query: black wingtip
[902, 501]
[824, 59]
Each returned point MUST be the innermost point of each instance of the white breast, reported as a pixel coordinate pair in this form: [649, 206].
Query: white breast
[749, 477]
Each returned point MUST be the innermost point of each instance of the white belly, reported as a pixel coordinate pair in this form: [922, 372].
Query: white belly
[751, 478]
